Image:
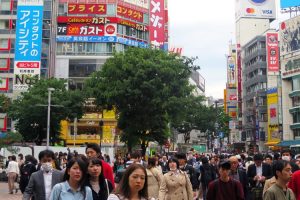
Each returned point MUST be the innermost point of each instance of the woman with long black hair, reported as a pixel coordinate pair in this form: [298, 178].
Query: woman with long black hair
[73, 187]
[100, 186]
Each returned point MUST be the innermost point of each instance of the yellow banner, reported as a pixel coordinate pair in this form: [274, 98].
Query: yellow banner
[273, 124]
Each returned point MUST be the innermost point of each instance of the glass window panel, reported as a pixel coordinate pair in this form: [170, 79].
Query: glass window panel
[3, 62]
[5, 5]
[47, 5]
[146, 18]
[111, 9]
[3, 43]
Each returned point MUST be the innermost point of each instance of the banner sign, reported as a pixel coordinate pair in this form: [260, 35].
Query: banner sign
[231, 73]
[80, 29]
[157, 23]
[273, 123]
[105, 39]
[28, 42]
[289, 3]
[272, 52]
[130, 13]
[289, 39]
[99, 9]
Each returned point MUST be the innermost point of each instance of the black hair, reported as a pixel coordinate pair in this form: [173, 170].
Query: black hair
[135, 155]
[103, 189]
[21, 156]
[175, 160]
[124, 188]
[204, 160]
[258, 157]
[83, 167]
[180, 156]
[287, 151]
[268, 156]
[151, 162]
[93, 146]
[46, 153]
[13, 157]
[276, 156]
[279, 166]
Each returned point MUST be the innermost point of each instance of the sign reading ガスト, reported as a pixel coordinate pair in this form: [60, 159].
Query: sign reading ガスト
[28, 43]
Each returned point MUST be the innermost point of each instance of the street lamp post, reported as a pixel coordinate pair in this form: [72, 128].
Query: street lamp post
[48, 116]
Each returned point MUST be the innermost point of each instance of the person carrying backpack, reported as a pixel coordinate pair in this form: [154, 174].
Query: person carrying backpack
[26, 169]
[207, 175]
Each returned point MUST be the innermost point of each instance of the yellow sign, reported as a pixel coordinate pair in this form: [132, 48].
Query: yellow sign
[109, 114]
[108, 136]
[273, 123]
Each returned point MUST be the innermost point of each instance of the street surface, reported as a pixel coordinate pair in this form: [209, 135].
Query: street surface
[4, 193]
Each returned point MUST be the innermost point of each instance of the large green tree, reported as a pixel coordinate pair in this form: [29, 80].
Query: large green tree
[30, 109]
[149, 89]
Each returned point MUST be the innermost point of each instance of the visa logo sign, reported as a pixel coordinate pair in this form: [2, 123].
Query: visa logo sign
[267, 12]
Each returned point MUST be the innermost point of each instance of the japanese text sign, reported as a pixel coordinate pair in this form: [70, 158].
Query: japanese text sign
[157, 23]
[130, 13]
[272, 52]
[80, 29]
[99, 9]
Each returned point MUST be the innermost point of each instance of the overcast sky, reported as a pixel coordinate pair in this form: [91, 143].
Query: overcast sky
[204, 29]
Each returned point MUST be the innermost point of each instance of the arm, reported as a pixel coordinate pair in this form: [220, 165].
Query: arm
[55, 193]
[29, 189]
[162, 189]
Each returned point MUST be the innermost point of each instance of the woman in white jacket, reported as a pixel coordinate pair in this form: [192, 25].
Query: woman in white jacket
[12, 173]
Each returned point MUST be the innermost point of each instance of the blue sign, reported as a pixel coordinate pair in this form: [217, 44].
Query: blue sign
[101, 39]
[258, 1]
[289, 3]
[29, 33]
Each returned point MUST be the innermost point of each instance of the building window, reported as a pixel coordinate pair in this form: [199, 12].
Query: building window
[296, 83]
[4, 64]
[296, 117]
[4, 44]
[5, 6]
[296, 134]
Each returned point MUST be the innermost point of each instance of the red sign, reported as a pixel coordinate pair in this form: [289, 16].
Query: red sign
[110, 29]
[157, 23]
[233, 97]
[139, 27]
[28, 65]
[82, 29]
[272, 52]
[87, 20]
[99, 9]
[130, 13]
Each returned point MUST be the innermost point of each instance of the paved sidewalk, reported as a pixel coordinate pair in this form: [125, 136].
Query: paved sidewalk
[4, 193]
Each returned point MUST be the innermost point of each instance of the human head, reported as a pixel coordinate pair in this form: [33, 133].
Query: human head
[173, 163]
[268, 159]
[224, 169]
[92, 150]
[95, 168]
[282, 170]
[76, 170]
[151, 162]
[181, 159]
[13, 157]
[204, 160]
[234, 163]
[164, 158]
[20, 156]
[135, 156]
[286, 154]
[46, 156]
[134, 174]
[276, 156]
[258, 158]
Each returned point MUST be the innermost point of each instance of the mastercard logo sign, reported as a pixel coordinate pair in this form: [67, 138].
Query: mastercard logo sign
[250, 10]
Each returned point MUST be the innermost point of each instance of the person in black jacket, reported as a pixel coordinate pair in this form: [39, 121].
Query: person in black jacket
[208, 175]
[239, 174]
[26, 169]
[101, 187]
[188, 169]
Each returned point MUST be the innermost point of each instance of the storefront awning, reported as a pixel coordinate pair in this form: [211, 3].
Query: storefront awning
[287, 143]
[271, 143]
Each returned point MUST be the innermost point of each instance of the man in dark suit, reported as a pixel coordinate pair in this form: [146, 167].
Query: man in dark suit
[164, 164]
[41, 182]
[239, 174]
[257, 174]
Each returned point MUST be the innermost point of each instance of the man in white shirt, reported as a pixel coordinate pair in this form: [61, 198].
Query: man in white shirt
[42, 181]
[12, 173]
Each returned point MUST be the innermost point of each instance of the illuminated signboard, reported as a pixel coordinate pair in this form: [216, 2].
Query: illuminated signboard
[157, 23]
[99, 9]
[28, 43]
[130, 13]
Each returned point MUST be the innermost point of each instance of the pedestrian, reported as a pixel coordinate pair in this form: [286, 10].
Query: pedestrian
[225, 188]
[93, 151]
[239, 174]
[175, 184]
[133, 184]
[100, 186]
[279, 191]
[41, 182]
[73, 187]
[207, 175]
[12, 173]
[164, 164]
[26, 170]
[294, 184]
[154, 178]
[287, 155]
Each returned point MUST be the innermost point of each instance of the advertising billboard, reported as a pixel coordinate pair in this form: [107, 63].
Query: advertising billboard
[231, 71]
[99, 9]
[28, 43]
[157, 23]
[130, 13]
[80, 29]
[263, 9]
[289, 39]
[272, 52]
[273, 121]
[289, 3]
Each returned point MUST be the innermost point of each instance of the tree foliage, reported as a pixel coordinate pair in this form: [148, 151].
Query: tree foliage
[148, 87]
[30, 109]
[7, 139]
[4, 103]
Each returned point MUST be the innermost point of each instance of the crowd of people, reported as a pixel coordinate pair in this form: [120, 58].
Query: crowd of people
[183, 176]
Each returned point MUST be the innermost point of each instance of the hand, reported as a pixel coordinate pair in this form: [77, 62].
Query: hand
[256, 178]
[262, 179]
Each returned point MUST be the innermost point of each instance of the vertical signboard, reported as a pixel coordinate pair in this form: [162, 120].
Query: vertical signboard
[231, 71]
[28, 43]
[239, 78]
[273, 124]
[157, 23]
[289, 39]
[272, 52]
